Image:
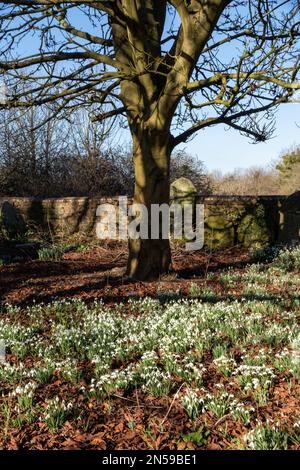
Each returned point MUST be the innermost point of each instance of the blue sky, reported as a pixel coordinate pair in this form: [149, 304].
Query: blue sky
[225, 150]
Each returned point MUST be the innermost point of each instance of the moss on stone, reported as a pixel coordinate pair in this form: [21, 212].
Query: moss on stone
[223, 217]
[253, 229]
[182, 187]
[218, 222]
[218, 238]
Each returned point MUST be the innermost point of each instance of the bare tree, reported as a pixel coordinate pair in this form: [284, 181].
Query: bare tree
[60, 158]
[253, 181]
[28, 154]
[171, 68]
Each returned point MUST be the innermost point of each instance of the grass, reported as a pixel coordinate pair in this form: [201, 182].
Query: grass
[53, 253]
[198, 437]
[211, 361]
[267, 437]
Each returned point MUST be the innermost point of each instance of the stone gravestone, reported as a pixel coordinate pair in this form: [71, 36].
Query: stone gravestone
[183, 192]
[183, 189]
[289, 232]
[11, 222]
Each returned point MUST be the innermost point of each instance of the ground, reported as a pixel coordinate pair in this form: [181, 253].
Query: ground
[206, 358]
[90, 272]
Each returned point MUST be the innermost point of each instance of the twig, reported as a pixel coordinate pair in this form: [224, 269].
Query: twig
[170, 407]
[123, 398]
[220, 420]
[118, 256]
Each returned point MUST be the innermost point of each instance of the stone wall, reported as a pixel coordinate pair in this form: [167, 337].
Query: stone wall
[242, 221]
[229, 220]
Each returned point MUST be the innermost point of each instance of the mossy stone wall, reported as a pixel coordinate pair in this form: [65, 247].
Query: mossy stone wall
[241, 221]
[229, 220]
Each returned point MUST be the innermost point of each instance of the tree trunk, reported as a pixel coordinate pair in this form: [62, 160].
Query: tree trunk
[149, 259]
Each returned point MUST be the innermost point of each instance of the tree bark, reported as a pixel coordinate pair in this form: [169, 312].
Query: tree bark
[149, 259]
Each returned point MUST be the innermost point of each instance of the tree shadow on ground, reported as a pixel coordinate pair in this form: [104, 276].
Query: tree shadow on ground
[93, 276]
